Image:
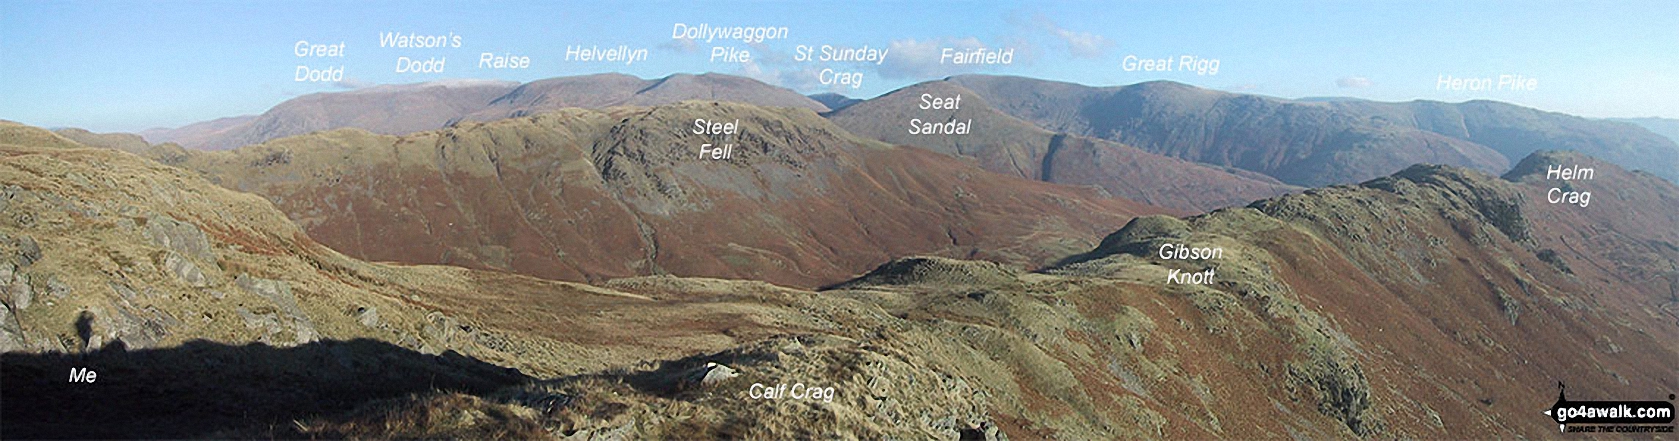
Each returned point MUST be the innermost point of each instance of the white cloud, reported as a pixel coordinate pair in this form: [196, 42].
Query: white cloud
[802, 80]
[1354, 82]
[754, 70]
[769, 56]
[1079, 44]
[1025, 53]
[919, 59]
[805, 80]
[1085, 44]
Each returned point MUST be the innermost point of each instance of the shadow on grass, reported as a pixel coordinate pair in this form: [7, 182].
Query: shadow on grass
[203, 388]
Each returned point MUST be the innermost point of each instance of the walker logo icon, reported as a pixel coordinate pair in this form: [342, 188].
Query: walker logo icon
[1610, 416]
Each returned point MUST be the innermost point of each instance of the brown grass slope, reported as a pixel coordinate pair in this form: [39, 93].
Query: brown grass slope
[1416, 306]
[206, 309]
[1005, 144]
[153, 255]
[1448, 293]
[587, 195]
[165, 152]
[1421, 305]
[207, 313]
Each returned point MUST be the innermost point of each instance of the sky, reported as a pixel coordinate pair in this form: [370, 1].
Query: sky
[132, 65]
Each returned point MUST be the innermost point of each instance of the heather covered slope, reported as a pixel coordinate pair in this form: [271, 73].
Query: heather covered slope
[1005, 144]
[1622, 244]
[1415, 306]
[587, 195]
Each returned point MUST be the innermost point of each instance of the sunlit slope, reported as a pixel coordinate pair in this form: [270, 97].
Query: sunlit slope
[1004, 144]
[588, 194]
[1317, 142]
[1436, 303]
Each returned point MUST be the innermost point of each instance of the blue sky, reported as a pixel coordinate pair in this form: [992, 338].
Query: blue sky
[127, 66]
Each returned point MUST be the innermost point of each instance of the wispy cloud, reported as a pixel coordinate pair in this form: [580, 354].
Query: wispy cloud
[1354, 82]
[679, 45]
[769, 56]
[802, 79]
[919, 59]
[1079, 44]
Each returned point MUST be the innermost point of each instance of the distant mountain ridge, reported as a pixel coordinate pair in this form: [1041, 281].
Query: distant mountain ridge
[1307, 142]
[408, 108]
[834, 101]
[607, 90]
[1005, 144]
[1320, 141]
[195, 134]
[1667, 127]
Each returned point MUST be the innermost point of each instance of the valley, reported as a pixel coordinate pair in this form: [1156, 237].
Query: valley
[974, 221]
[1301, 316]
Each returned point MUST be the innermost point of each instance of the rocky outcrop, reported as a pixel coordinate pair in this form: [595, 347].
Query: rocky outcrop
[102, 250]
[936, 271]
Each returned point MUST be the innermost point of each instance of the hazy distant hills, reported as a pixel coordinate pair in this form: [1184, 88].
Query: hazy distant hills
[612, 89]
[196, 134]
[408, 108]
[1516, 131]
[380, 109]
[1661, 126]
[1008, 145]
[581, 194]
[1316, 142]
[1307, 142]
